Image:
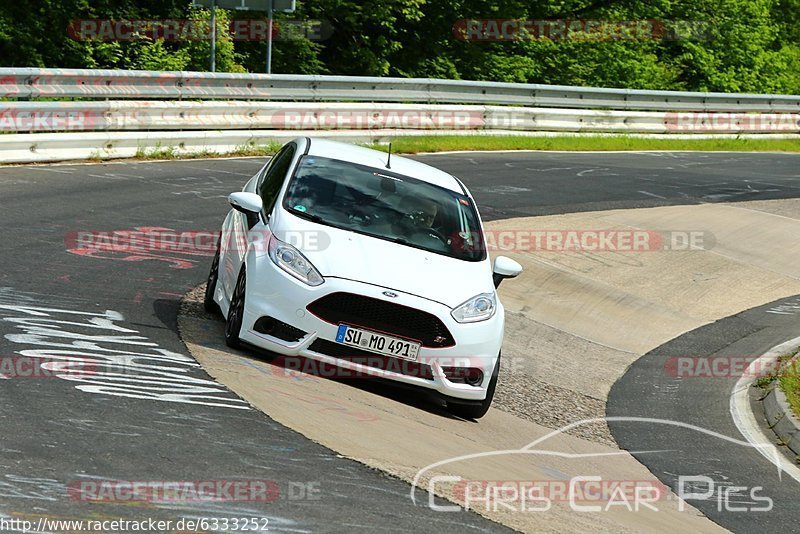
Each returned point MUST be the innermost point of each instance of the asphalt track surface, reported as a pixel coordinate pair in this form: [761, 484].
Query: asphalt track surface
[62, 436]
[654, 388]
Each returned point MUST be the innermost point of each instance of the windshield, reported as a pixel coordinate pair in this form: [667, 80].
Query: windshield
[386, 205]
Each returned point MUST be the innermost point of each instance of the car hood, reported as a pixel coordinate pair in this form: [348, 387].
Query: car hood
[345, 254]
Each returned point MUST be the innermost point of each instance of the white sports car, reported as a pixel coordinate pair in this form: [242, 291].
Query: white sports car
[369, 262]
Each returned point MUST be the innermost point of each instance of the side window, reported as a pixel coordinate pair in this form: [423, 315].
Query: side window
[275, 175]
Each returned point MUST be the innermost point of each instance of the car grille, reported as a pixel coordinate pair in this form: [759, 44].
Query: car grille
[371, 359]
[388, 317]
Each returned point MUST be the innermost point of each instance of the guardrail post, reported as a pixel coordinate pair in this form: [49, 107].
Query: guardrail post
[213, 35]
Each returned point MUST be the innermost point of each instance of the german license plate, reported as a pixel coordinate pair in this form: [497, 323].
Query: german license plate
[378, 343]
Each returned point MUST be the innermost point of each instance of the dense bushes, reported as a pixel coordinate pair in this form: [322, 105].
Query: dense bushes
[708, 45]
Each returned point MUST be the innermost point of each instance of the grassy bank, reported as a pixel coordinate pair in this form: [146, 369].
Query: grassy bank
[172, 152]
[441, 143]
[787, 375]
[445, 143]
[789, 381]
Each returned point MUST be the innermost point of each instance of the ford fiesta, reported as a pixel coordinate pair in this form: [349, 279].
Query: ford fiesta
[368, 262]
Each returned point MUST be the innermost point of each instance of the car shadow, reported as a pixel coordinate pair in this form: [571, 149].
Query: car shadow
[300, 366]
[166, 311]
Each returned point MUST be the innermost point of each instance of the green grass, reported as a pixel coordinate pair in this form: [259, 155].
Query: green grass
[441, 143]
[173, 152]
[159, 152]
[257, 150]
[787, 374]
[789, 381]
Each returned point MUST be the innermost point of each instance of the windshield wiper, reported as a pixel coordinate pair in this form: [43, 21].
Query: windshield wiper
[310, 216]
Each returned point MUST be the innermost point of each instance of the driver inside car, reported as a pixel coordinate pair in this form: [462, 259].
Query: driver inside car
[423, 213]
[416, 223]
[365, 198]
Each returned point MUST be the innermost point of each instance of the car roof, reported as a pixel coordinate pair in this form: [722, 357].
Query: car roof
[374, 158]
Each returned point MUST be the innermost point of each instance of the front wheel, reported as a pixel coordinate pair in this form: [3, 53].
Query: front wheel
[236, 312]
[209, 303]
[476, 410]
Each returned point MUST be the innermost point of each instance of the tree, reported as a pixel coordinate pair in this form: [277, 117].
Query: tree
[709, 45]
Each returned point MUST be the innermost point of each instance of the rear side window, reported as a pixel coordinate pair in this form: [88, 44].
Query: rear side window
[274, 176]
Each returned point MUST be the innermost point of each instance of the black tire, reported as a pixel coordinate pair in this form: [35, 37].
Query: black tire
[476, 410]
[211, 283]
[233, 324]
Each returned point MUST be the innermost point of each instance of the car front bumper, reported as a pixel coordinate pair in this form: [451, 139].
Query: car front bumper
[271, 292]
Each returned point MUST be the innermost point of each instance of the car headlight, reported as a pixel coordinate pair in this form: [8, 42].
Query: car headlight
[293, 262]
[478, 308]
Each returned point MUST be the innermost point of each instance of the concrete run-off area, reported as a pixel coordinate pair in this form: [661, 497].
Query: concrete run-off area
[575, 321]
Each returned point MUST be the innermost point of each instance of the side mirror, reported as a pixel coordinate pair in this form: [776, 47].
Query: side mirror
[504, 268]
[248, 203]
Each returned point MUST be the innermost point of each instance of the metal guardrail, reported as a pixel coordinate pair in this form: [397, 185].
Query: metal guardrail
[29, 83]
[125, 113]
[149, 115]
